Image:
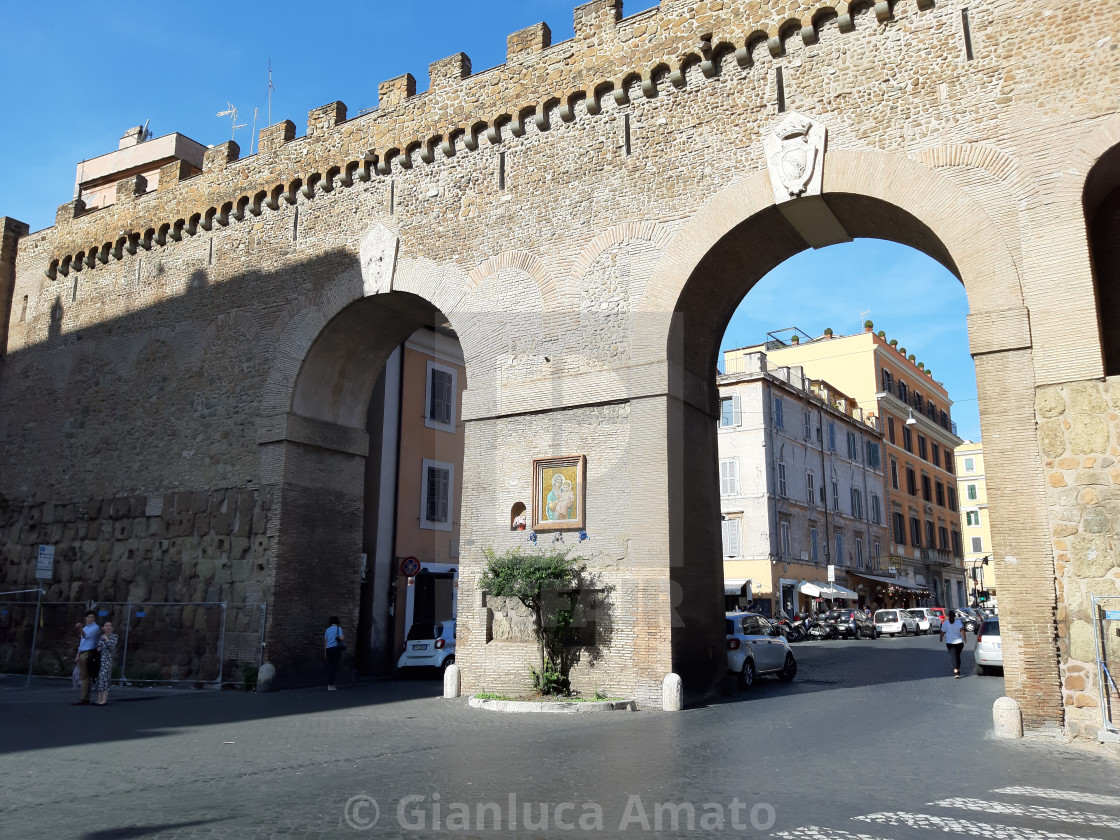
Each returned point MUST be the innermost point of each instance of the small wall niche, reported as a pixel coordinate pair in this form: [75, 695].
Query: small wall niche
[517, 517]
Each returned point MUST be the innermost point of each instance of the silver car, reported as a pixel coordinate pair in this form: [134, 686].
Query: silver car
[895, 622]
[923, 620]
[933, 618]
[989, 649]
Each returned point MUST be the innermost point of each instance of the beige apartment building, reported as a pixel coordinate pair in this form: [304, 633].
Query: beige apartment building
[976, 529]
[925, 555]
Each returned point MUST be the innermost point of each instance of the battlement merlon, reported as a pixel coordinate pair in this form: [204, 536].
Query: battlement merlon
[528, 41]
[674, 35]
[11, 230]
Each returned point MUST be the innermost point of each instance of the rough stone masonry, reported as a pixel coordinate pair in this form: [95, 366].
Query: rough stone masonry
[187, 371]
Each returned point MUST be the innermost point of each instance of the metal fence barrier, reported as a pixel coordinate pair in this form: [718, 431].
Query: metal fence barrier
[1105, 620]
[208, 644]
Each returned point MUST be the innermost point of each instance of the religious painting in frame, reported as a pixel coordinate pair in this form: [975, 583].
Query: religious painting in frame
[559, 493]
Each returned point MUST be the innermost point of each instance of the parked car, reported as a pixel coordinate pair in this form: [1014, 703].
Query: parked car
[924, 622]
[969, 619]
[938, 611]
[895, 622]
[989, 651]
[756, 648]
[428, 646]
[853, 623]
[933, 618]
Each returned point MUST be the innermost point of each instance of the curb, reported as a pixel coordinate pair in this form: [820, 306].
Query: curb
[555, 707]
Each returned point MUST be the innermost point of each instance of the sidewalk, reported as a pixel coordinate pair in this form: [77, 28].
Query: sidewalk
[15, 691]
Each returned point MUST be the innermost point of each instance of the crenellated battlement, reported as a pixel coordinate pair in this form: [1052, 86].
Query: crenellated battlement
[540, 83]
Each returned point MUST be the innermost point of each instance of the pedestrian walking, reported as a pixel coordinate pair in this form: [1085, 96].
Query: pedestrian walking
[106, 646]
[953, 635]
[333, 646]
[88, 635]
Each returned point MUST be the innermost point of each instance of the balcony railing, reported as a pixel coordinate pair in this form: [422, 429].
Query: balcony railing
[937, 556]
[921, 406]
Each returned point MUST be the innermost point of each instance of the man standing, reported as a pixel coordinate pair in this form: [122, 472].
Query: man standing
[88, 635]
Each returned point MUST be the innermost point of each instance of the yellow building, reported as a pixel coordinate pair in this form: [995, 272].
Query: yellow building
[975, 526]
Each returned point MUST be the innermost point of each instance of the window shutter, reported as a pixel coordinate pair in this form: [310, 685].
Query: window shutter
[736, 411]
[438, 487]
[439, 407]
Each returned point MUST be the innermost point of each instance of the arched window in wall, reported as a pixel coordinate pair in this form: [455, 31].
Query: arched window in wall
[1102, 222]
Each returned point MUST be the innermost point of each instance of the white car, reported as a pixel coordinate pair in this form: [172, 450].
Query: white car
[923, 620]
[429, 646]
[933, 618]
[757, 648]
[989, 650]
[895, 622]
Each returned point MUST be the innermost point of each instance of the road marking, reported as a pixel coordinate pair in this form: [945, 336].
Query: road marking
[1037, 812]
[815, 832]
[1065, 795]
[968, 827]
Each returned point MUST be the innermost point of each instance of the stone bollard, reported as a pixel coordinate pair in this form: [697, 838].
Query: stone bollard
[452, 681]
[672, 693]
[266, 677]
[1007, 717]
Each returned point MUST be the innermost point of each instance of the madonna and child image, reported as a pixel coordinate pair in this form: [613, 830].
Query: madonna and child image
[558, 493]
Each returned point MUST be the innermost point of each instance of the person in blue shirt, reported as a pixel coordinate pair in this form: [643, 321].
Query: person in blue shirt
[333, 646]
[88, 636]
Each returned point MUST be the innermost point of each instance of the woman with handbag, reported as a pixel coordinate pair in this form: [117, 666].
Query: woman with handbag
[333, 646]
[106, 646]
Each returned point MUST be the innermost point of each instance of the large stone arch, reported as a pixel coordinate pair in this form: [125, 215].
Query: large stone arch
[735, 239]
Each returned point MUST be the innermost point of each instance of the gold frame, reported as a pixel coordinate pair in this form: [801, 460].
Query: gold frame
[578, 463]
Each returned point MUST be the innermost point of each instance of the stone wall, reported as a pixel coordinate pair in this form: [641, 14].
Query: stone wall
[1079, 432]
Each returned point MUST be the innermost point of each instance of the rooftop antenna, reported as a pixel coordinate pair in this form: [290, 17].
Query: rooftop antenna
[271, 88]
[231, 112]
[144, 133]
[863, 317]
[253, 139]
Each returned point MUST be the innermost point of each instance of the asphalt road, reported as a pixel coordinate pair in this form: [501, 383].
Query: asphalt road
[872, 739]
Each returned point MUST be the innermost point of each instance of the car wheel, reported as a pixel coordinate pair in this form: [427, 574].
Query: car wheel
[875, 634]
[448, 661]
[746, 676]
[858, 634]
[980, 670]
[789, 670]
[905, 630]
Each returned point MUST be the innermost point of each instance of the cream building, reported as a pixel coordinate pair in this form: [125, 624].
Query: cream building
[801, 489]
[975, 523]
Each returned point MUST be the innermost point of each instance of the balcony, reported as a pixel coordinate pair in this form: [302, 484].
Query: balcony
[937, 556]
[921, 406]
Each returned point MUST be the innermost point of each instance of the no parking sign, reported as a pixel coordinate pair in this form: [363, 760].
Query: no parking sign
[410, 566]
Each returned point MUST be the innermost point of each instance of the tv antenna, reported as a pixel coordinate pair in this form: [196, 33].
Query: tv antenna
[253, 138]
[231, 112]
[863, 317]
[144, 133]
[271, 88]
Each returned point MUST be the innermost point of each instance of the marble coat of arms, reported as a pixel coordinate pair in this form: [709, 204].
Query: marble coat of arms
[795, 155]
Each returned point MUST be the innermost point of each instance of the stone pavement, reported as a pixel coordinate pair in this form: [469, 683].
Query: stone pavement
[871, 739]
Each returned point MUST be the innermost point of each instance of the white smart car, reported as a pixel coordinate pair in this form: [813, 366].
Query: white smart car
[989, 648]
[922, 619]
[895, 622]
[429, 646]
[757, 648]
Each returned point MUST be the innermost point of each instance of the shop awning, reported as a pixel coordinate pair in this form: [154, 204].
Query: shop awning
[901, 584]
[810, 589]
[825, 590]
[734, 586]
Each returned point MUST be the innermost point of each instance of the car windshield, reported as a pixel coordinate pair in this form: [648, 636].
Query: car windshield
[990, 628]
[915, 613]
[420, 632]
[835, 614]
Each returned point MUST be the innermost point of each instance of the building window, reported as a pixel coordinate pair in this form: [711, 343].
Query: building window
[903, 391]
[911, 482]
[729, 477]
[859, 553]
[839, 560]
[943, 538]
[810, 483]
[970, 491]
[857, 503]
[779, 414]
[894, 473]
[927, 493]
[874, 459]
[890, 429]
[922, 447]
[435, 495]
[951, 492]
[875, 553]
[977, 545]
[930, 535]
[731, 537]
[948, 458]
[729, 413]
[831, 436]
[915, 532]
[972, 518]
[907, 439]
[814, 546]
[888, 380]
[876, 509]
[782, 480]
[440, 397]
[918, 403]
[784, 531]
[836, 496]
[934, 454]
[940, 488]
[899, 528]
[853, 446]
[808, 425]
[956, 542]
[970, 465]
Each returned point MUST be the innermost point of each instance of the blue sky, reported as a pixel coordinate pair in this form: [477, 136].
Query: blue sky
[79, 73]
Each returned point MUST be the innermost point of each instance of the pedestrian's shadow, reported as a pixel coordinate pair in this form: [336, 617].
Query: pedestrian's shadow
[139, 830]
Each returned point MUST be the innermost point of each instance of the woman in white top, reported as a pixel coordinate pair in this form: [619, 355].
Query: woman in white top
[953, 635]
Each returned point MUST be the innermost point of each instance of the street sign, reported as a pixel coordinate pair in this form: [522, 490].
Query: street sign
[1112, 615]
[44, 566]
[832, 574]
[410, 566]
